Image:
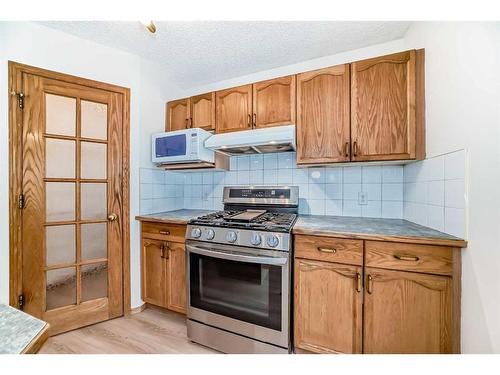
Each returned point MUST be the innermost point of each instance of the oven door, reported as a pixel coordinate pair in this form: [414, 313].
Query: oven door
[242, 290]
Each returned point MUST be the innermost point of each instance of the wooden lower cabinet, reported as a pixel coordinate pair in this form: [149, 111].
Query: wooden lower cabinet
[153, 277]
[328, 307]
[176, 278]
[407, 312]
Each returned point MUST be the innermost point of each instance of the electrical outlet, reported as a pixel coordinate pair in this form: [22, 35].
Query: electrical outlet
[363, 198]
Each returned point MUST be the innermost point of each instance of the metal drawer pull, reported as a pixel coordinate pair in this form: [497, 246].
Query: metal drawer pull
[369, 282]
[165, 232]
[327, 250]
[406, 257]
[358, 282]
[346, 149]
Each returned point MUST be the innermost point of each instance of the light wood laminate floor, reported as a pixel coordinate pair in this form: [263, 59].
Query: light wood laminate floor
[150, 331]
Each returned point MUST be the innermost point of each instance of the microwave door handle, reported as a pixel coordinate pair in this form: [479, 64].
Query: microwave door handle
[237, 257]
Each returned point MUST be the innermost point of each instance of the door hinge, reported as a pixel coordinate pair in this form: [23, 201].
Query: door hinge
[20, 99]
[20, 301]
[20, 201]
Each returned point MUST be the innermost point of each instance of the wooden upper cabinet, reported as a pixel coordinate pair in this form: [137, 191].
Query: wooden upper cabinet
[328, 307]
[384, 94]
[274, 102]
[202, 111]
[234, 109]
[176, 277]
[407, 312]
[153, 275]
[323, 115]
[177, 115]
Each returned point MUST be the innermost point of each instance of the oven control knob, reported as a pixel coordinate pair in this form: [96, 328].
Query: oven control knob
[231, 236]
[195, 232]
[272, 240]
[210, 234]
[256, 239]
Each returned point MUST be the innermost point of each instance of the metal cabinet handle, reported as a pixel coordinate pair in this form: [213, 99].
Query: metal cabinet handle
[369, 283]
[346, 149]
[254, 125]
[409, 258]
[163, 248]
[165, 232]
[249, 121]
[358, 282]
[327, 250]
[355, 148]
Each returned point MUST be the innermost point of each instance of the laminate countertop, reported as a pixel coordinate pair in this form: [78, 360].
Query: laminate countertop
[174, 217]
[20, 332]
[373, 229]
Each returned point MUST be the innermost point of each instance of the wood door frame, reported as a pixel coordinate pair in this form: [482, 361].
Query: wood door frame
[15, 179]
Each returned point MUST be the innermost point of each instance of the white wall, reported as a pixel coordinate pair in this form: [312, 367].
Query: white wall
[462, 102]
[40, 46]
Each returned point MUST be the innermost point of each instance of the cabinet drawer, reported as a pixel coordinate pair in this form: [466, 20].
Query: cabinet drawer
[329, 249]
[167, 232]
[409, 257]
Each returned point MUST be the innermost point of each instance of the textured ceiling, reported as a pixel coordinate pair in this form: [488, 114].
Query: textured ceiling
[198, 53]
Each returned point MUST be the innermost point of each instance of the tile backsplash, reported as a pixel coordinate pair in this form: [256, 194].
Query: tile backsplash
[160, 190]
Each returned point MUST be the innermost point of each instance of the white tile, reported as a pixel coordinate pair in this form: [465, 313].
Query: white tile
[410, 172]
[256, 162]
[285, 176]
[454, 221]
[146, 191]
[207, 178]
[257, 177]
[333, 175]
[409, 210]
[243, 177]
[188, 203]
[169, 177]
[233, 163]
[434, 168]
[350, 191]
[196, 191]
[196, 178]
[333, 207]
[317, 175]
[303, 207]
[160, 205]
[351, 208]
[218, 178]
[146, 176]
[410, 192]
[146, 206]
[286, 160]
[435, 217]
[454, 193]
[371, 174]
[158, 191]
[392, 210]
[169, 191]
[392, 192]
[420, 214]
[317, 191]
[435, 193]
[300, 176]
[218, 204]
[392, 173]
[303, 190]
[270, 161]
[179, 191]
[333, 191]
[352, 175]
[421, 192]
[187, 191]
[158, 177]
[372, 209]
[197, 203]
[231, 178]
[207, 192]
[208, 204]
[454, 165]
[316, 206]
[179, 179]
[270, 176]
[243, 163]
[373, 191]
[218, 191]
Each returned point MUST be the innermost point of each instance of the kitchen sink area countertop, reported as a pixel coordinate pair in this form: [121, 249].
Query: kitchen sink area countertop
[373, 229]
[174, 217]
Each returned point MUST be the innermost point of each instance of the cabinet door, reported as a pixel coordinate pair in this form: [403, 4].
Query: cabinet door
[153, 272]
[328, 307]
[323, 115]
[406, 312]
[234, 109]
[176, 277]
[177, 115]
[274, 102]
[383, 108]
[203, 111]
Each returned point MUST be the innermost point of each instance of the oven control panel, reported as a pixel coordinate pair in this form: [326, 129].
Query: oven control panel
[240, 237]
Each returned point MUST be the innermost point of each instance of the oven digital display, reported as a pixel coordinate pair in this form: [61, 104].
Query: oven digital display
[260, 193]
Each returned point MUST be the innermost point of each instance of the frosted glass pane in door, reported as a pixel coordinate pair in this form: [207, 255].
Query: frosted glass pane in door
[59, 201]
[94, 120]
[94, 241]
[93, 160]
[93, 201]
[60, 244]
[60, 115]
[94, 279]
[59, 158]
[60, 288]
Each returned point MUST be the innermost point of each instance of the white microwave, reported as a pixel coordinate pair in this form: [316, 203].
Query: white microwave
[181, 146]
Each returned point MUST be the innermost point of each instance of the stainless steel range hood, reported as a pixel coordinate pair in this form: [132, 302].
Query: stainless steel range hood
[256, 141]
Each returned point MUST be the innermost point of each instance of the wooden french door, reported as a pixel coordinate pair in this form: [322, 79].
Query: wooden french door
[71, 230]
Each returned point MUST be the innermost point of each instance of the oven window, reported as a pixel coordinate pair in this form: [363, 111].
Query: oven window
[245, 291]
[172, 145]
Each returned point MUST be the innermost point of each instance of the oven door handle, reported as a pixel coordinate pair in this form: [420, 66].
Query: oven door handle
[237, 257]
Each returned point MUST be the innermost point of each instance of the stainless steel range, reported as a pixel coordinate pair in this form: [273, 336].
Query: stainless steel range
[239, 269]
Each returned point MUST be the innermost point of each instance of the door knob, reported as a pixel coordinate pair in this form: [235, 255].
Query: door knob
[112, 217]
